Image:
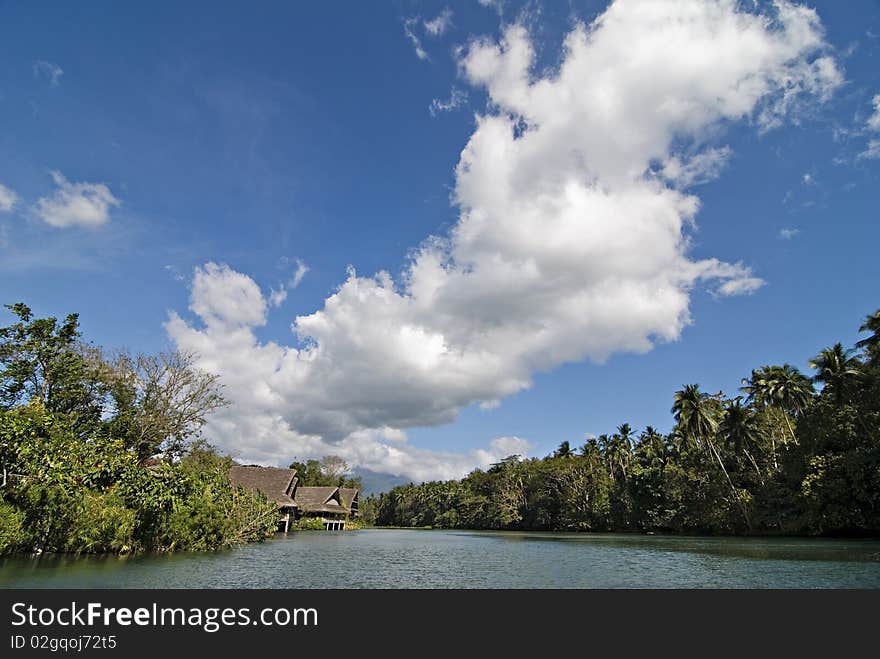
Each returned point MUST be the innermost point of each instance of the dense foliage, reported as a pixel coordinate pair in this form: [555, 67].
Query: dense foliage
[77, 432]
[780, 458]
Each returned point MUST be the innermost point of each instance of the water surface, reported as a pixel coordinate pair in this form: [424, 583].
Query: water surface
[391, 558]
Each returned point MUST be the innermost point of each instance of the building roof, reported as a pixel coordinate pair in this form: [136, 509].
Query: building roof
[348, 495]
[318, 499]
[275, 483]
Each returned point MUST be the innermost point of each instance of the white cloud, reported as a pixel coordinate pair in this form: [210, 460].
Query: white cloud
[507, 446]
[874, 119]
[873, 124]
[49, 71]
[787, 233]
[8, 199]
[76, 204]
[408, 29]
[276, 298]
[808, 179]
[497, 5]
[299, 273]
[225, 299]
[873, 150]
[568, 246]
[457, 98]
[700, 168]
[740, 286]
[438, 25]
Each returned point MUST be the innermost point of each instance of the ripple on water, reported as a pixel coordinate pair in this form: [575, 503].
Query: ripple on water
[460, 559]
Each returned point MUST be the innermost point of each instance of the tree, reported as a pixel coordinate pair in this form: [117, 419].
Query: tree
[739, 427]
[564, 450]
[42, 360]
[161, 402]
[837, 369]
[698, 416]
[783, 389]
[871, 344]
[331, 470]
[333, 467]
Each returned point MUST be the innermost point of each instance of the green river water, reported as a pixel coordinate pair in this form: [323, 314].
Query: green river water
[391, 558]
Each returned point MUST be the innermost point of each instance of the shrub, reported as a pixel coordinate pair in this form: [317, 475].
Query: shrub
[12, 533]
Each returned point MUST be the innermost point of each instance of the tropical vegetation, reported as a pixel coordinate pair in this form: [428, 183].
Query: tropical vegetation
[102, 452]
[790, 453]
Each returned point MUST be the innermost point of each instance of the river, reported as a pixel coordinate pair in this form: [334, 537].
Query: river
[391, 558]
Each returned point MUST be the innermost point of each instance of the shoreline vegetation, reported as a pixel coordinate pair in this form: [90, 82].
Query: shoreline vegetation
[79, 432]
[101, 452]
[790, 455]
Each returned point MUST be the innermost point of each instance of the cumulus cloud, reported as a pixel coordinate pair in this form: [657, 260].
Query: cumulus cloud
[226, 299]
[787, 233]
[48, 71]
[76, 204]
[438, 25]
[568, 245]
[457, 98]
[8, 199]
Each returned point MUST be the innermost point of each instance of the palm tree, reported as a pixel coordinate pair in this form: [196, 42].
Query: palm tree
[652, 447]
[606, 444]
[871, 344]
[738, 426]
[782, 388]
[621, 446]
[837, 369]
[564, 450]
[698, 415]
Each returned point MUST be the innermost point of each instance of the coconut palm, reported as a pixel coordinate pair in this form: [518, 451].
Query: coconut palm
[837, 369]
[698, 415]
[783, 389]
[564, 450]
[652, 447]
[871, 344]
[739, 427]
[621, 448]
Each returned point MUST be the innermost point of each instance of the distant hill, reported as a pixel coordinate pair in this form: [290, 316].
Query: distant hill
[376, 482]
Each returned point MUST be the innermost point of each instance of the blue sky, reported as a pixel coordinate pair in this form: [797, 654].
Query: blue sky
[257, 139]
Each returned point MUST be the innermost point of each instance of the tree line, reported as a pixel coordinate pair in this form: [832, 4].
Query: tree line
[789, 454]
[101, 451]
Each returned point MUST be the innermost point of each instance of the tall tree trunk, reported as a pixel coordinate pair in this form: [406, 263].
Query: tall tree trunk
[755, 465]
[788, 423]
[730, 482]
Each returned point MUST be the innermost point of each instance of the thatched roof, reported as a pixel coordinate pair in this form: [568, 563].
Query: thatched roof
[275, 483]
[312, 499]
[348, 495]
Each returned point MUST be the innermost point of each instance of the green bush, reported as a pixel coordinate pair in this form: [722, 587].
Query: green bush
[102, 524]
[307, 524]
[12, 533]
